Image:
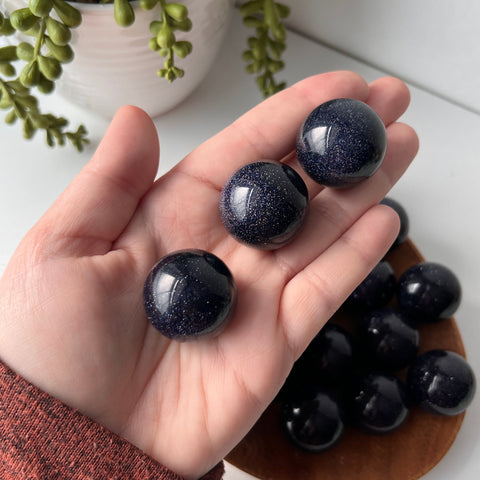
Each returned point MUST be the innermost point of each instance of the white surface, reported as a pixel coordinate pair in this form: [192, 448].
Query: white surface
[432, 43]
[439, 191]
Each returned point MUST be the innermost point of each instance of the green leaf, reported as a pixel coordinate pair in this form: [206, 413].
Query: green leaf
[25, 51]
[23, 19]
[59, 33]
[28, 129]
[8, 54]
[123, 13]
[5, 102]
[275, 66]
[261, 81]
[253, 22]
[28, 101]
[182, 48]
[39, 121]
[153, 45]
[155, 27]
[29, 75]
[276, 48]
[270, 14]
[148, 4]
[40, 8]
[68, 14]
[179, 72]
[247, 56]
[50, 67]
[11, 117]
[279, 32]
[63, 54]
[6, 28]
[254, 67]
[258, 51]
[165, 37]
[7, 69]
[184, 26]
[282, 10]
[45, 85]
[251, 7]
[177, 11]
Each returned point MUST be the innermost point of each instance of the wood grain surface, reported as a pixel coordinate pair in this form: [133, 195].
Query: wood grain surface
[406, 454]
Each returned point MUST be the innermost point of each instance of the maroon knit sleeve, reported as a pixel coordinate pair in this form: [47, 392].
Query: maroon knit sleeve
[43, 439]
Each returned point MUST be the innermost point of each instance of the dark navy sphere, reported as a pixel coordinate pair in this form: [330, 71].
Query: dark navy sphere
[376, 290]
[404, 220]
[314, 421]
[441, 382]
[330, 356]
[328, 361]
[264, 204]
[388, 338]
[189, 293]
[379, 403]
[429, 292]
[341, 143]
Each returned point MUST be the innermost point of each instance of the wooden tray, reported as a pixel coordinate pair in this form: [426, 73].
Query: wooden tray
[407, 454]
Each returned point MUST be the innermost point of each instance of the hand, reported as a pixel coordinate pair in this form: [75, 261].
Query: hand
[71, 314]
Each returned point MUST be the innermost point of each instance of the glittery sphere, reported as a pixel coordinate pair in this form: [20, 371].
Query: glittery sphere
[341, 143]
[429, 292]
[404, 219]
[441, 382]
[189, 293]
[264, 204]
[379, 403]
[376, 290]
[314, 420]
[388, 338]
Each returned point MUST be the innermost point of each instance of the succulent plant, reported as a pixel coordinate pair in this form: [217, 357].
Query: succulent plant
[28, 66]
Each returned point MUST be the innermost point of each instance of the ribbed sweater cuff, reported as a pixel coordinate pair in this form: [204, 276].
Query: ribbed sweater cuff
[43, 439]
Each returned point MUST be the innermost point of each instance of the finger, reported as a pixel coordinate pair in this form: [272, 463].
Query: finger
[388, 96]
[268, 131]
[333, 211]
[100, 201]
[315, 293]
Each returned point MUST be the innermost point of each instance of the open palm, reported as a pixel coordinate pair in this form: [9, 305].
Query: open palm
[71, 312]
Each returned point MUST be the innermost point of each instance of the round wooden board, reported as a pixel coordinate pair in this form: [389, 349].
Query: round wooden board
[407, 454]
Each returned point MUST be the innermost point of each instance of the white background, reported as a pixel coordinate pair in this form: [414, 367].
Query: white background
[432, 43]
[439, 191]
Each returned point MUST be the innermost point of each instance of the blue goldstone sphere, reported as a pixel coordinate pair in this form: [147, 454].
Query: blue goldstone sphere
[441, 382]
[404, 219]
[314, 419]
[264, 204]
[376, 290]
[189, 293]
[429, 292]
[341, 143]
[380, 403]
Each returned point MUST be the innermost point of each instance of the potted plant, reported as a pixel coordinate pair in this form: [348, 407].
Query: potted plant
[41, 43]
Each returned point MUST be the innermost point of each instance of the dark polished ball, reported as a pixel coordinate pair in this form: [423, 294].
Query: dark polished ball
[379, 403]
[264, 204]
[404, 219]
[376, 290]
[441, 382]
[315, 420]
[341, 143]
[388, 338]
[189, 293]
[429, 292]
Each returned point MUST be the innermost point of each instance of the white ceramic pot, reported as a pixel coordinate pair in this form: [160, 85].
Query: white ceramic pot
[113, 66]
